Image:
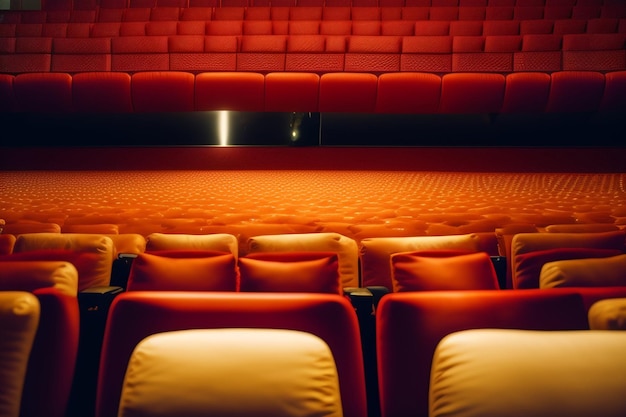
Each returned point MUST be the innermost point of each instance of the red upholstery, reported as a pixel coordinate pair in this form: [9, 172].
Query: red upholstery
[409, 326]
[43, 92]
[526, 92]
[471, 93]
[163, 13]
[7, 98]
[81, 55]
[102, 92]
[348, 92]
[373, 54]
[614, 98]
[406, 92]
[289, 91]
[161, 28]
[594, 51]
[228, 91]
[575, 91]
[315, 53]
[163, 91]
[200, 53]
[139, 53]
[426, 53]
[262, 53]
[135, 315]
[539, 53]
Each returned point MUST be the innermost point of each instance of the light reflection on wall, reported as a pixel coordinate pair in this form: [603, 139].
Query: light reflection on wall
[223, 127]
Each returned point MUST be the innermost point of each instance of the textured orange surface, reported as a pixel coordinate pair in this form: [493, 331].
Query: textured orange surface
[355, 203]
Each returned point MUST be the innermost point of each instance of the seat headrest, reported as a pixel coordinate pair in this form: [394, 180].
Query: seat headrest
[231, 372]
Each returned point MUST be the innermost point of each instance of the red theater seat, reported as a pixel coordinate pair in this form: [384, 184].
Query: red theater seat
[139, 53]
[136, 315]
[336, 13]
[229, 13]
[315, 53]
[594, 52]
[243, 91]
[166, 91]
[373, 54]
[305, 13]
[348, 92]
[614, 98]
[426, 54]
[164, 13]
[161, 28]
[408, 92]
[539, 53]
[133, 28]
[224, 27]
[102, 92]
[262, 53]
[196, 13]
[575, 91]
[136, 14]
[7, 98]
[405, 357]
[472, 93]
[291, 91]
[535, 27]
[258, 27]
[81, 54]
[43, 92]
[526, 92]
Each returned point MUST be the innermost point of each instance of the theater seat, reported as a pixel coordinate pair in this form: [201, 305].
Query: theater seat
[526, 92]
[472, 93]
[608, 271]
[283, 373]
[48, 383]
[348, 92]
[102, 92]
[291, 92]
[137, 315]
[19, 318]
[242, 91]
[473, 373]
[43, 92]
[345, 248]
[584, 97]
[411, 325]
[163, 91]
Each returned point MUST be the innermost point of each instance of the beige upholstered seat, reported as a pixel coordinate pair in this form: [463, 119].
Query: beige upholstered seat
[500, 373]
[594, 272]
[608, 314]
[91, 254]
[346, 249]
[223, 242]
[19, 317]
[231, 372]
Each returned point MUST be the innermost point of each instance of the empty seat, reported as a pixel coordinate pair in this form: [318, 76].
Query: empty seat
[43, 92]
[99, 92]
[199, 53]
[139, 53]
[472, 93]
[328, 316]
[614, 99]
[7, 98]
[291, 91]
[19, 318]
[584, 272]
[348, 92]
[48, 383]
[283, 369]
[163, 13]
[426, 54]
[27, 54]
[405, 356]
[315, 53]
[166, 91]
[161, 28]
[136, 14]
[262, 53]
[305, 13]
[196, 13]
[229, 13]
[471, 371]
[594, 52]
[540, 52]
[81, 55]
[241, 91]
[575, 91]
[526, 92]
[373, 54]
[408, 92]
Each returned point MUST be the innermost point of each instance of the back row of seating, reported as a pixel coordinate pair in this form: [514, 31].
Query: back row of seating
[298, 13]
[402, 92]
[316, 53]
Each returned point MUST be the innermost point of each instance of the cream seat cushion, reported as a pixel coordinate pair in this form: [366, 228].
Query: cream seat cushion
[592, 272]
[93, 253]
[502, 373]
[231, 373]
[30, 275]
[223, 242]
[19, 318]
[346, 249]
[608, 314]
